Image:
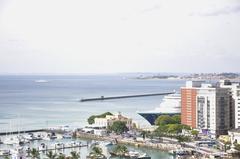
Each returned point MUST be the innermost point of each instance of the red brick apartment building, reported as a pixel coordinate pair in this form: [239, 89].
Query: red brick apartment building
[188, 109]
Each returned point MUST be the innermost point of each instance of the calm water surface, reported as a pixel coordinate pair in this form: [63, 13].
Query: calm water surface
[27, 104]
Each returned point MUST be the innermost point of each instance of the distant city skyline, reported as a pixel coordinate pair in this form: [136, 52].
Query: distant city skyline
[85, 37]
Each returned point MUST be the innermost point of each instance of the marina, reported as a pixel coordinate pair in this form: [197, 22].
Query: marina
[60, 146]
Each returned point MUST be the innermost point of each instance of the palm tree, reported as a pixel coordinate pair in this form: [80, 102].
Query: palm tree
[143, 133]
[34, 153]
[75, 155]
[51, 155]
[120, 150]
[96, 152]
[61, 156]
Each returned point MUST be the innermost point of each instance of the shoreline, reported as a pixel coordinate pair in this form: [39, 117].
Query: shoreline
[166, 147]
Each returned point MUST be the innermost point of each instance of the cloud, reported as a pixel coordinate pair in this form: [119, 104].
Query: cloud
[220, 11]
[155, 7]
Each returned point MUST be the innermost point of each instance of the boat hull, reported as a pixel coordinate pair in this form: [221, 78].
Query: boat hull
[151, 117]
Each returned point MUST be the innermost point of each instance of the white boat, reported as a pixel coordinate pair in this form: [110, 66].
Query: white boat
[23, 141]
[170, 105]
[17, 152]
[37, 136]
[47, 138]
[11, 140]
[42, 147]
[74, 144]
[52, 136]
[137, 155]
[41, 81]
[5, 153]
[58, 145]
[133, 154]
[67, 136]
[28, 136]
[106, 143]
[144, 156]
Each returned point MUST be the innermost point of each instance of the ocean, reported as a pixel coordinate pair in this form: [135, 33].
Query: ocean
[34, 102]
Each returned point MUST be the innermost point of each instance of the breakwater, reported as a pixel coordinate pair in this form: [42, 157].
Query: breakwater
[125, 96]
[21, 132]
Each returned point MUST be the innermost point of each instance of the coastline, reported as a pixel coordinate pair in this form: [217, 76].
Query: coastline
[166, 147]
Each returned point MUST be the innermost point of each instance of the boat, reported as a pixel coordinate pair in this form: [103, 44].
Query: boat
[11, 140]
[106, 143]
[59, 145]
[47, 138]
[75, 144]
[28, 136]
[137, 155]
[42, 147]
[52, 136]
[144, 156]
[180, 152]
[5, 153]
[23, 140]
[67, 136]
[41, 81]
[170, 105]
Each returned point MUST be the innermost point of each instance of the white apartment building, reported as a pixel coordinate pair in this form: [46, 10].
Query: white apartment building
[213, 109]
[234, 89]
[208, 106]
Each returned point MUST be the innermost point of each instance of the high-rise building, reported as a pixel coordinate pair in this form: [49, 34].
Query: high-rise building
[234, 89]
[206, 107]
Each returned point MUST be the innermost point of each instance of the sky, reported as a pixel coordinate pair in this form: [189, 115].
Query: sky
[109, 36]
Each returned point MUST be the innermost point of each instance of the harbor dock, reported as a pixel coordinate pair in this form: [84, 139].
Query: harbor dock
[125, 96]
[22, 132]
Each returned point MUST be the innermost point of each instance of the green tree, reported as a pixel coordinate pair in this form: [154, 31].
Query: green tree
[174, 128]
[176, 119]
[91, 118]
[186, 127]
[51, 155]
[160, 132]
[119, 127]
[182, 138]
[237, 146]
[195, 133]
[144, 134]
[164, 120]
[96, 153]
[34, 153]
[61, 156]
[75, 155]
[120, 150]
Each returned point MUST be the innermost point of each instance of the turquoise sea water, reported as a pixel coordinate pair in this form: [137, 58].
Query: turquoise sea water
[27, 104]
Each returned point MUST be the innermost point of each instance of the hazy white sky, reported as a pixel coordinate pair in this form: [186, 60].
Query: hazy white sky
[102, 36]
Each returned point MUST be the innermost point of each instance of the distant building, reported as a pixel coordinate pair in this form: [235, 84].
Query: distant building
[206, 107]
[110, 119]
[235, 101]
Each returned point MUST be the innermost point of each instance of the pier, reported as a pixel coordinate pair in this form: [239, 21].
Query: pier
[125, 96]
[22, 132]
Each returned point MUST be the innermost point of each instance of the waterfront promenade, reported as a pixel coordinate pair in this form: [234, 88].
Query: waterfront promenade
[128, 141]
